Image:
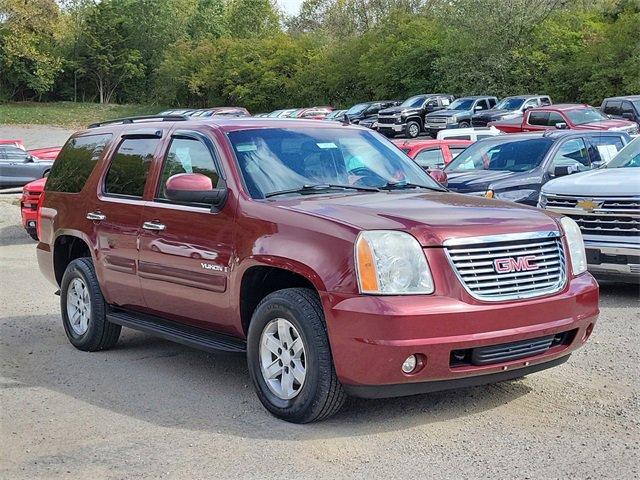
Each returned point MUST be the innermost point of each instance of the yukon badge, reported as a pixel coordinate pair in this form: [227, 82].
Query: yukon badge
[211, 266]
[517, 264]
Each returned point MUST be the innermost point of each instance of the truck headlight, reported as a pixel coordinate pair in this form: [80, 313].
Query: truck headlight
[576, 245]
[391, 263]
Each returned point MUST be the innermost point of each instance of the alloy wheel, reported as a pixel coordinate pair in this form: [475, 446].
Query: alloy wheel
[78, 306]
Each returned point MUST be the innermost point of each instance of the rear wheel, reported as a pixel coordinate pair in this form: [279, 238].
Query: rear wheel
[84, 309]
[289, 357]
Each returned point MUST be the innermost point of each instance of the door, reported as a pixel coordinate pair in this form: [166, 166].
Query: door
[116, 217]
[186, 249]
[571, 154]
[536, 121]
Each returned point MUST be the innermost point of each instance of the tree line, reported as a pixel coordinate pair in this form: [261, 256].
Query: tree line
[201, 53]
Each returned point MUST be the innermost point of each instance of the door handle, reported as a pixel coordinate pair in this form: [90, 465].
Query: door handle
[155, 226]
[96, 216]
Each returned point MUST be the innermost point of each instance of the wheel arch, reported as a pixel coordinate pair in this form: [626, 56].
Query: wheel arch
[67, 247]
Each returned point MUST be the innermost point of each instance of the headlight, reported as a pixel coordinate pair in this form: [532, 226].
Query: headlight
[576, 245]
[452, 120]
[391, 263]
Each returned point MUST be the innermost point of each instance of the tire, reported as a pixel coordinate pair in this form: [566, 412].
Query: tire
[463, 124]
[320, 395]
[412, 130]
[100, 334]
[46, 174]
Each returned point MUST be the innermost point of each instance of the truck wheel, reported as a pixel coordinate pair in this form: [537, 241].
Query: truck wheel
[289, 357]
[84, 309]
[412, 129]
[463, 124]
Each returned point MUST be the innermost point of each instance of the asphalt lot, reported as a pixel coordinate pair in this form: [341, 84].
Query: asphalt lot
[153, 409]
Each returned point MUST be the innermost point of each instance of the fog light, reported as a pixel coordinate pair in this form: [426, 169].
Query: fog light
[409, 364]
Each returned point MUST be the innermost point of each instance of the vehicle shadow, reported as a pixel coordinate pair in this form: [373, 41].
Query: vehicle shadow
[170, 385]
[616, 292]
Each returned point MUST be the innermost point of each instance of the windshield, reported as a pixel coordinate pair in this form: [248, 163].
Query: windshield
[356, 109]
[461, 104]
[510, 104]
[629, 157]
[637, 104]
[276, 159]
[585, 115]
[414, 102]
[506, 155]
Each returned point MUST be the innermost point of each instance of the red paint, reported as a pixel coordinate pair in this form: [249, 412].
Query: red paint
[516, 126]
[191, 182]
[30, 202]
[162, 271]
[414, 147]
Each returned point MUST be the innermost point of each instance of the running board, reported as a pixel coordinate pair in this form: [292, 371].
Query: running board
[178, 332]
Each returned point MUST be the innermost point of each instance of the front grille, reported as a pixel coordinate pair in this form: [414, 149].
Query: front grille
[614, 216]
[511, 266]
[437, 120]
[386, 120]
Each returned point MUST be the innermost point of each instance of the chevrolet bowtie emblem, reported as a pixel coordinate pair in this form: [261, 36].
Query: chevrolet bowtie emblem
[588, 205]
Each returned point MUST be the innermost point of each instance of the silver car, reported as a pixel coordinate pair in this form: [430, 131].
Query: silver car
[605, 203]
[18, 167]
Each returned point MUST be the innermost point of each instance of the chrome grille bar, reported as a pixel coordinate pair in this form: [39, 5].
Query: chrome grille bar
[474, 261]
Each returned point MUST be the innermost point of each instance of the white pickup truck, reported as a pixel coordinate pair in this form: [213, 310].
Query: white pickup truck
[605, 203]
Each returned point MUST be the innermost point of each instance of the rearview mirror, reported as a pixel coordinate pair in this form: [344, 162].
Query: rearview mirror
[195, 188]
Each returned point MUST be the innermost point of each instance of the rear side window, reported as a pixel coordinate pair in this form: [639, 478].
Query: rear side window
[129, 167]
[606, 147]
[538, 118]
[430, 158]
[75, 163]
[554, 118]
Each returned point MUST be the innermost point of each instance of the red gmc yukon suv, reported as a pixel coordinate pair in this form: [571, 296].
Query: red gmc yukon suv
[322, 251]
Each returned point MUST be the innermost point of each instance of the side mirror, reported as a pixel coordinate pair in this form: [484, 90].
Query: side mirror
[477, 108]
[528, 107]
[29, 159]
[561, 171]
[194, 188]
[561, 126]
[345, 119]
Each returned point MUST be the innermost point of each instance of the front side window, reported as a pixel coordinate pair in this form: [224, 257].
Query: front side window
[129, 167]
[606, 147]
[431, 158]
[502, 154]
[573, 154]
[277, 159]
[75, 162]
[629, 156]
[554, 118]
[15, 154]
[187, 155]
[627, 108]
[612, 108]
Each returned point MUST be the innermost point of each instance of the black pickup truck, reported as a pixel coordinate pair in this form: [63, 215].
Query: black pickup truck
[408, 117]
[625, 108]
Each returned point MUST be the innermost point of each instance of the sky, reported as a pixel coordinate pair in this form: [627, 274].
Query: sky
[290, 7]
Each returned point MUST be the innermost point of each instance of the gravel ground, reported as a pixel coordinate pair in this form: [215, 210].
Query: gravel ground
[153, 409]
[36, 136]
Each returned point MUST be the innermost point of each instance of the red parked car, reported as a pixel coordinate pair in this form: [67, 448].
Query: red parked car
[323, 252]
[561, 116]
[433, 155]
[30, 204]
[49, 153]
[12, 142]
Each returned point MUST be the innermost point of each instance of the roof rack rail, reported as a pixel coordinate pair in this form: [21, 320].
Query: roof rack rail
[161, 118]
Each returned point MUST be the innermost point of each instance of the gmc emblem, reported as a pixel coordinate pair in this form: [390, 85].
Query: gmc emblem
[518, 264]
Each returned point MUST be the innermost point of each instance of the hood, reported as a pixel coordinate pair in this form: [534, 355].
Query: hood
[431, 217]
[596, 183]
[477, 180]
[398, 109]
[495, 113]
[606, 125]
[449, 113]
[369, 119]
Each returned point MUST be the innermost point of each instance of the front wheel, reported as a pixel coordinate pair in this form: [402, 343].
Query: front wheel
[413, 129]
[289, 357]
[463, 125]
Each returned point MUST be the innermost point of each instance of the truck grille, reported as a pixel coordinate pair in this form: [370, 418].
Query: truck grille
[386, 119]
[613, 216]
[508, 267]
[437, 120]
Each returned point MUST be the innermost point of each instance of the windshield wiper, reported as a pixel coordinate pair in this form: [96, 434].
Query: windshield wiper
[320, 187]
[407, 185]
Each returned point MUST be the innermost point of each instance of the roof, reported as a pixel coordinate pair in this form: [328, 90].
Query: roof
[527, 96]
[553, 134]
[624, 97]
[563, 106]
[476, 96]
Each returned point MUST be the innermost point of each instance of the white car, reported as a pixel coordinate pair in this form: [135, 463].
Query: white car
[605, 202]
[474, 133]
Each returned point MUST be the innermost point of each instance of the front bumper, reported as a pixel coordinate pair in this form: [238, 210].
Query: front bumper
[372, 336]
[394, 127]
[613, 259]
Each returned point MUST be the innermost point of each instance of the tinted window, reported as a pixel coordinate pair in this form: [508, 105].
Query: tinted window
[629, 157]
[555, 118]
[455, 151]
[492, 102]
[545, 101]
[75, 163]
[538, 118]
[627, 107]
[187, 156]
[14, 154]
[483, 104]
[130, 166]
[612, 108]
[502, 154]
[430, 158]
